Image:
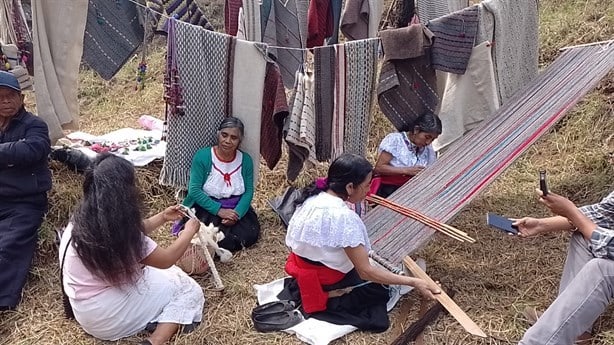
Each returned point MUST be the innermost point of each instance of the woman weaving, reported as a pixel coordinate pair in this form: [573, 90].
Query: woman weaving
[221, 187]
[329, 252]
[405, 154]
[118, 280]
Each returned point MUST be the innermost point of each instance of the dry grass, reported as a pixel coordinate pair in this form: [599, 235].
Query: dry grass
[495, 278]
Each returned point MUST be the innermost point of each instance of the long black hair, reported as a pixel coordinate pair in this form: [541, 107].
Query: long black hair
[108, 226]
[347, 168]
[427, 122]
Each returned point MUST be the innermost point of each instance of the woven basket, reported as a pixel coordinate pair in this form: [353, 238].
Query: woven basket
[193, 260]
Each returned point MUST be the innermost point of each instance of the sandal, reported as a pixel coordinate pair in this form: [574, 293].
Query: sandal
[274, 307]
[145, 342]
[277, 321]
[531, 315]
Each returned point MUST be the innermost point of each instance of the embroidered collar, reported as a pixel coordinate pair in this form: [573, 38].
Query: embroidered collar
[411, 146]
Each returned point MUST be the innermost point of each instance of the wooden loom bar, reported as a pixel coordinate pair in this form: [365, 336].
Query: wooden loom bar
[444, 228]
[445, 300]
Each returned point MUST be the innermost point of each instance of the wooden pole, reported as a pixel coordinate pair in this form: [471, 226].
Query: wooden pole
[445, 300]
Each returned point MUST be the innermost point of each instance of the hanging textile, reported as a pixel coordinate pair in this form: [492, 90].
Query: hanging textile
[14, 27]
[319, 22]
[250, 21]
[336, 7]
[466, 169]
[431, 9]
[112, 34]
[248, 76]
[403, 12]
[338, 130]
[407, 83]
[486, 26]
[454, 39]
[469, 98]
[300, 127]
[274, 113]
[183, 10]
[204, 71]
[287, 27]
[324, 98]
[231, 16]
[360, 18]
[360, 77]
[58, 46]
[516, 37]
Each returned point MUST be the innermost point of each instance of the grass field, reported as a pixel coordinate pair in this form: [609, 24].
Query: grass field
[495, 278]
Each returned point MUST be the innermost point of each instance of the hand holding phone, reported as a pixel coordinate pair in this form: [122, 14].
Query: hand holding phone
[543, 186]
[501, 223]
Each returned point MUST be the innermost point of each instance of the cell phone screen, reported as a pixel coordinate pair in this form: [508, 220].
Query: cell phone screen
[501, 223]
[542, 182]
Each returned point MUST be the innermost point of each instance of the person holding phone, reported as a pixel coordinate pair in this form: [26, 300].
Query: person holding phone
[405, 154]
[587, 283]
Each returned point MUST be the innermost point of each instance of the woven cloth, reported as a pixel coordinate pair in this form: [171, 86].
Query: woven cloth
[250, 21]
[231, 16]
[183, 10]
[274, 113]
[13, 25]
[203, 71]
[324, 99]
[298, 149]
[287, 27]
[516, 44]
[112, 34]
[319, 22]
[361, 74]
[355, 19]
[338, 129]
[431, 9]
[473, 162]
[468, 99]
[454, 38]
[336, 6]
[248, 76]
[58, 46]
[407, 85]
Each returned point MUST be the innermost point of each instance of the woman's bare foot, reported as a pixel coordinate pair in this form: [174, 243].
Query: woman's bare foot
[584, 339]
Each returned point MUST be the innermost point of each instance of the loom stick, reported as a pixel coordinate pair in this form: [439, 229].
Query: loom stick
[445, 300]
[418, 327]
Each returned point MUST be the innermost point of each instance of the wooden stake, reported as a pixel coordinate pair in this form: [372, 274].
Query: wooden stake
[445, 300]
[217, 281]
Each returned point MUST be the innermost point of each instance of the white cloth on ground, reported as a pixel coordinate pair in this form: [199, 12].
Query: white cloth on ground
[316, 332]
[58, 46]
[468, 98]
[249, 70]
[137, 158]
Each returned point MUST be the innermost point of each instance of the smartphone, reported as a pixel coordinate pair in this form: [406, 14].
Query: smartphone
[542, 182]
[501, 223]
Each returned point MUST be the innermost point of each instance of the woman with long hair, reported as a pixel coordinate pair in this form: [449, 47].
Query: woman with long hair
[404, 154]
[117, 279]
[329, 253]
[221, 187]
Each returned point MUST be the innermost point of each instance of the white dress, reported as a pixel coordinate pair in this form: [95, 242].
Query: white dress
[110, 313]
[322, 227]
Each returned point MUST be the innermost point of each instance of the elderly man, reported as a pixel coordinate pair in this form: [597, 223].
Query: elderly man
[587, 284]
[24, 181]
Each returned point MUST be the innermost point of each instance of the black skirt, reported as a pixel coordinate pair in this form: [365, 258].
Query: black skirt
[364, 307]
[236, 237]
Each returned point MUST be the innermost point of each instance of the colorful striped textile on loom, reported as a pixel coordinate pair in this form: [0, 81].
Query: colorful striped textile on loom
[474, 161]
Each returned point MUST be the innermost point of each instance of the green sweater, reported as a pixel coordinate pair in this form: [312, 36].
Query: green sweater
[201, 167]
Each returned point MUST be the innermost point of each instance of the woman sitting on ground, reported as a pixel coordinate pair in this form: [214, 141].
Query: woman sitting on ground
[405, 154]
[221, 187]
[329, 251]
[118, 280]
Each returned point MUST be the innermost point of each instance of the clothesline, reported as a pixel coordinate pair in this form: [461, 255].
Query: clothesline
[268, 46]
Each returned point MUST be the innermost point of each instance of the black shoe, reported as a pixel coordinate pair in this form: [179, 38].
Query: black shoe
[274, 307]
[277, 321]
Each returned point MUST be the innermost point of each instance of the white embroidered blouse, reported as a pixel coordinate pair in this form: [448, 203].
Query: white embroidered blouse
[322, 227]
[405, 153]
[225, 179]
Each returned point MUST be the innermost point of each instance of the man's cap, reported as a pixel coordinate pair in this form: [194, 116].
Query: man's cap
[7, 79]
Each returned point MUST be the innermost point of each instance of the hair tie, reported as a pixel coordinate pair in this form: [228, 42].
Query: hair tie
[322, 183]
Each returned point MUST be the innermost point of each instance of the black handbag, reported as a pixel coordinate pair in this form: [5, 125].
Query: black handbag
[285, 205]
